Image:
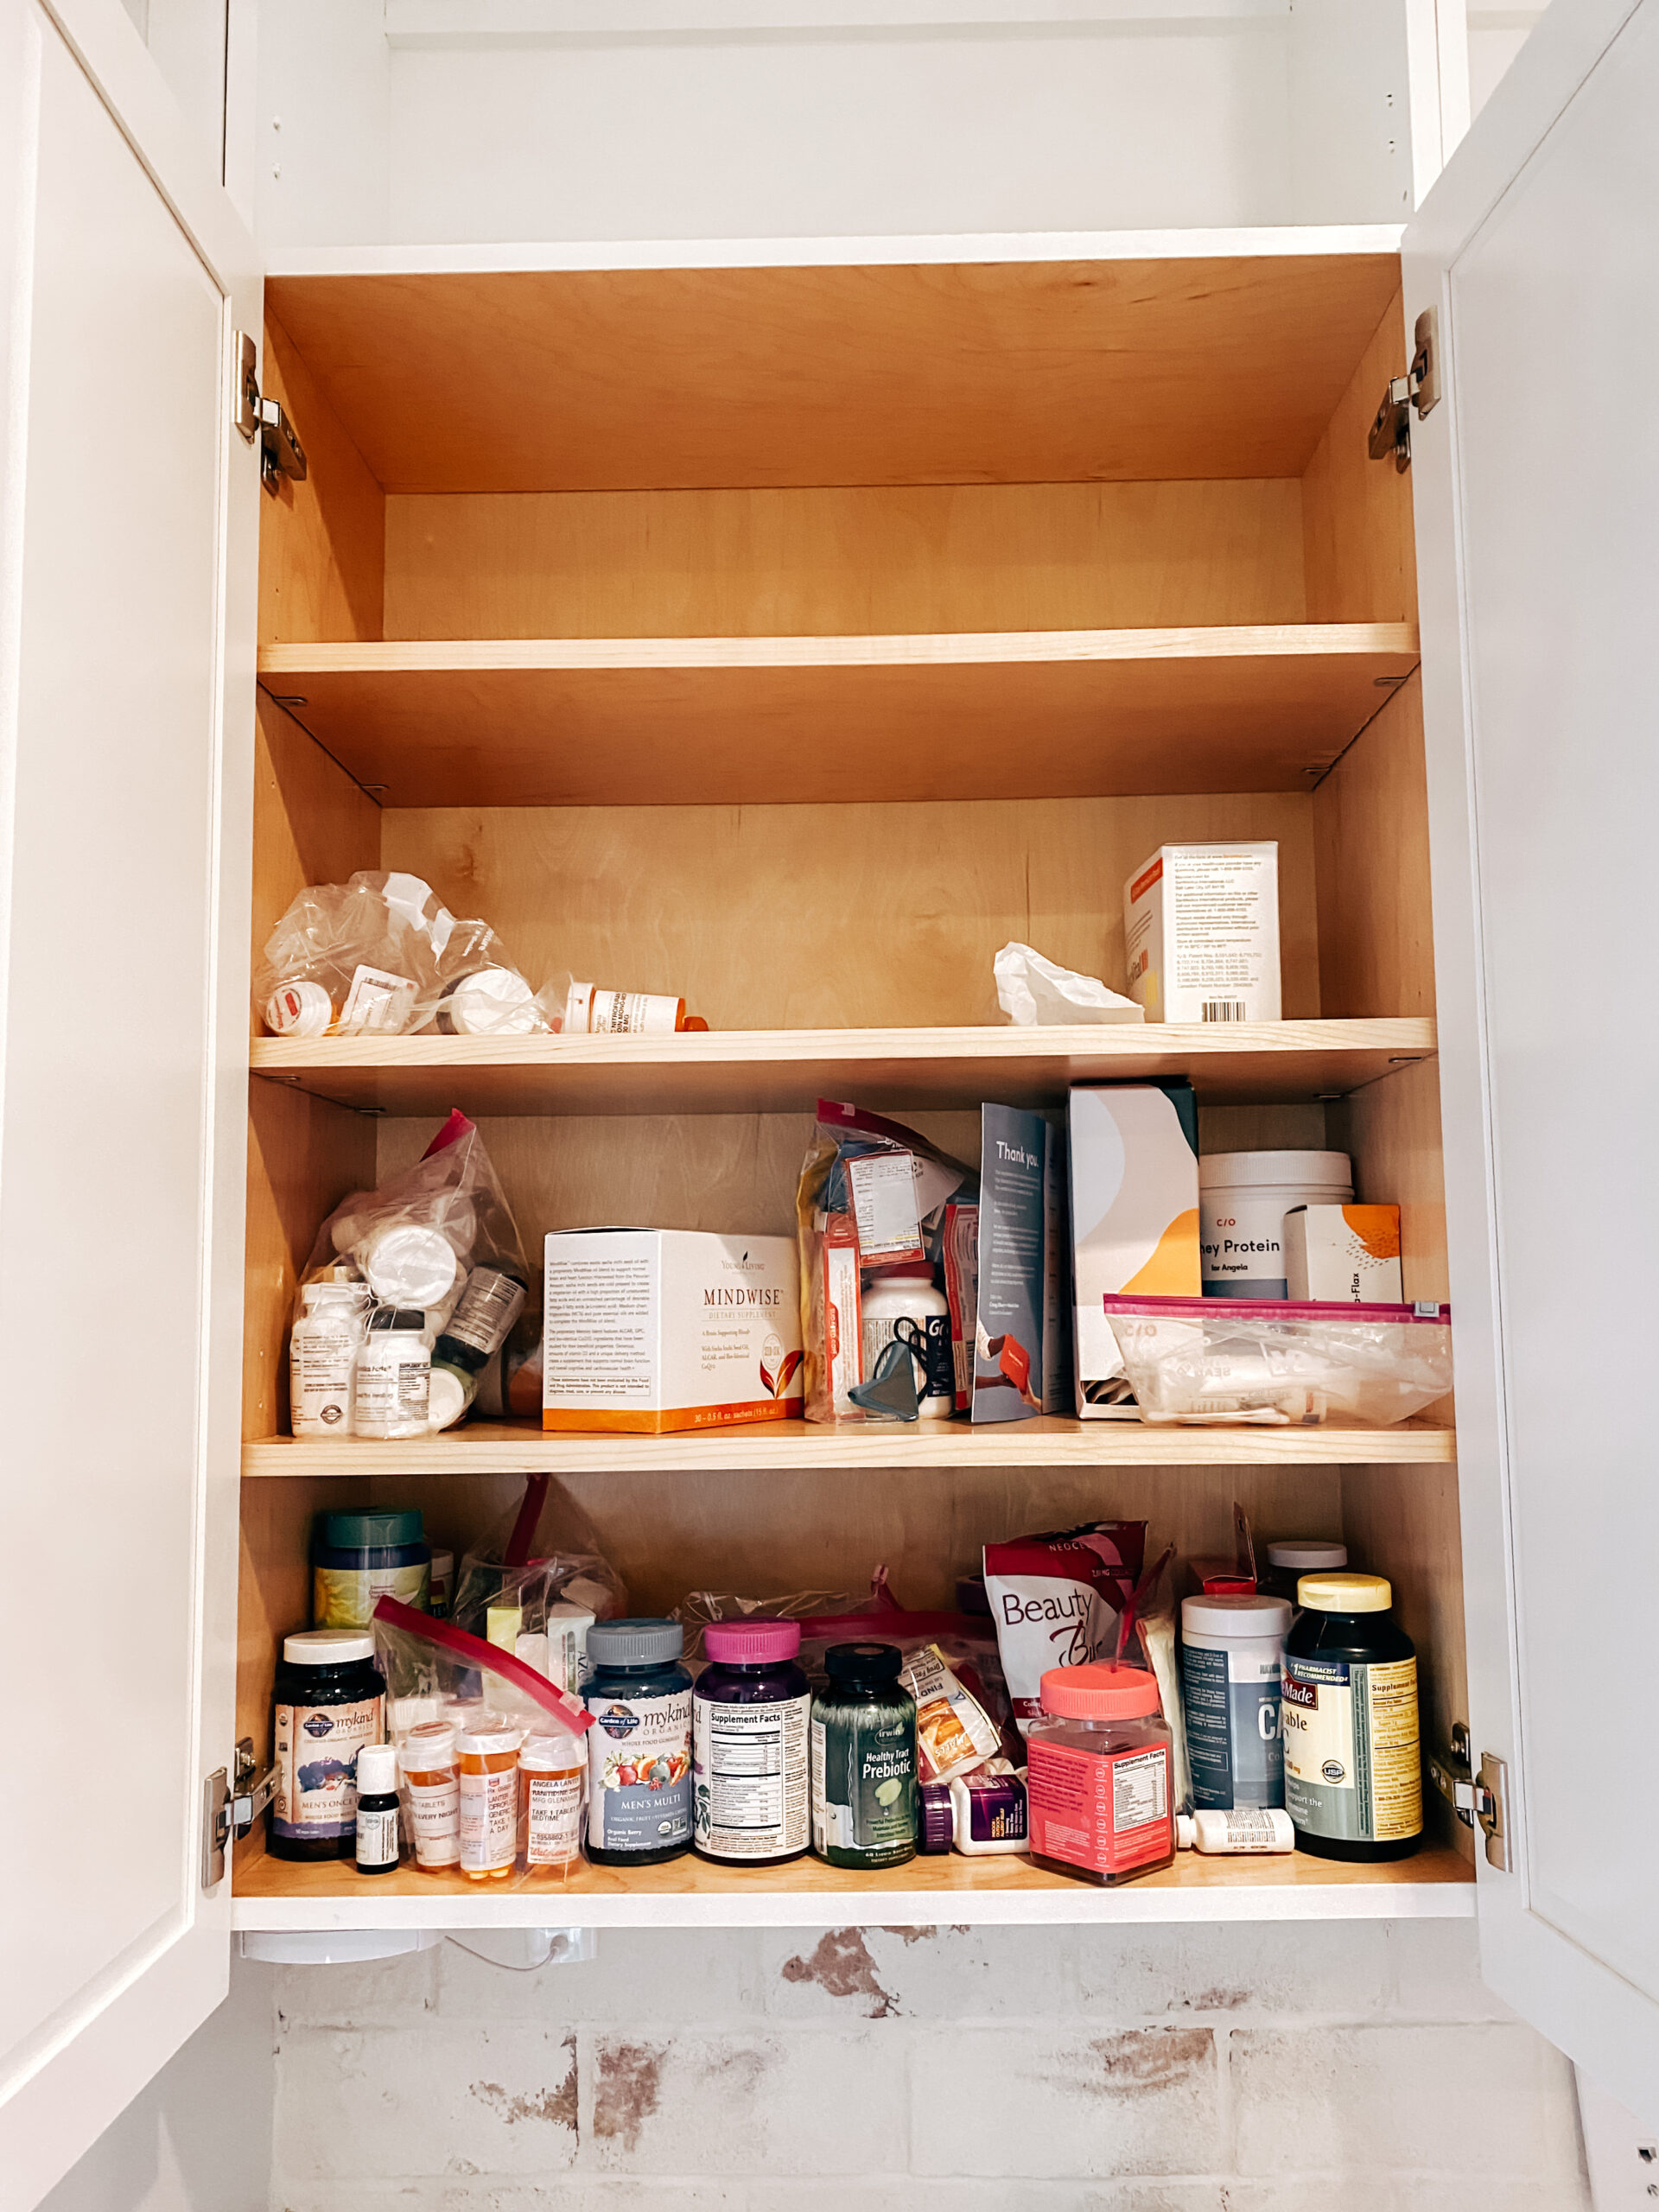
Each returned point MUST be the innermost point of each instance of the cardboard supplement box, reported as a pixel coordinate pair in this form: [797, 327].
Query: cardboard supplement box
[657, 1329]
[1135, 1220]
[1350, 1254]
[1201, 933]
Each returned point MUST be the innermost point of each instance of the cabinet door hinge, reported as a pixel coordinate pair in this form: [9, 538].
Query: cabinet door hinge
[281, 453]
[230, 1808]
[1479, 1800]
[1420, 388]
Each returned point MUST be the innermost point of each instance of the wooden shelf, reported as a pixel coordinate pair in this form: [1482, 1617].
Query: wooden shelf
[664, 721]
[272, 1893]
[964, 372]
[787, 1071]
[797, 1447]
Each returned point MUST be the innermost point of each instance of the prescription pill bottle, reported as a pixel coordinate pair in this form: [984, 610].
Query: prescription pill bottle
[552, 1769]
[1097, 1778]
[488, 1755]
[431, 1789]
[1243, 1197]
[1353, 1763]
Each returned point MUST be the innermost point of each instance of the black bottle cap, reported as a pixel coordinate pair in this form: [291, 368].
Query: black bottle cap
[864, 1662]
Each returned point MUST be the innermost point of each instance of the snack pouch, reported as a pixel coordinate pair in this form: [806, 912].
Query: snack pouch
[1057, 1600]
[954, 1733]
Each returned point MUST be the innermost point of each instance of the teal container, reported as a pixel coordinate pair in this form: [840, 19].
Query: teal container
[864, 1780]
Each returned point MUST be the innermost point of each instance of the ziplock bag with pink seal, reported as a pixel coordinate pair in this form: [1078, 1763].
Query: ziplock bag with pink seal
[492, 1756]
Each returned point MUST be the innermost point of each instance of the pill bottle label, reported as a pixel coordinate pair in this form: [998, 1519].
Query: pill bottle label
[617, 1012]
[750, 1778]
[553, 1828]
[376, 1838]
[435, 1818]
[321, 1367]
[1107, 1813]
[489, 1820]
[640, 1768]
[864, 1785]
[317, 1765]
[393, 1393]
[489, 1305]
[1353, 1769]
[1232, 1702]
[346, 1597]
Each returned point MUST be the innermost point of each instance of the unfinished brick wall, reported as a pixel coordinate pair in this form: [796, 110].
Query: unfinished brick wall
[1322, 2067]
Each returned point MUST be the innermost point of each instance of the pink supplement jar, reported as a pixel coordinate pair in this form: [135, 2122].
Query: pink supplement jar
[1098, 1775]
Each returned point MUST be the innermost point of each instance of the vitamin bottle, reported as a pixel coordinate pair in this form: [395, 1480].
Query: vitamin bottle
[908, 1293]
[552, 1769]
[377, 1809]
[322, 1349]
[982, 1814]
[1097, 1775]
[394, 1374]
[432, 1788]
[330, 1701]
[864, 1806]
[358, 1558]
[488, 1758]
[639, 1748]
[751, 1768]
[1231, 1651]
[1295, 1556]
[1353, 1766]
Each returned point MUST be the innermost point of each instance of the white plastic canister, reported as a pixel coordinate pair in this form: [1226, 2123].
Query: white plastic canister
[1243, 1197]
[1231, 1651]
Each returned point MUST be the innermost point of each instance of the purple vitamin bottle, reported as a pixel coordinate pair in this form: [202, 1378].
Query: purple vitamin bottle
[751, 1770]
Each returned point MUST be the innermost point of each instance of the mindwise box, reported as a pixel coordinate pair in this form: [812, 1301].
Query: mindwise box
[656, 1329]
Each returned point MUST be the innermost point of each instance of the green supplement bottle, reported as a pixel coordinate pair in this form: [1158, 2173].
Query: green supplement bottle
[864, 1759]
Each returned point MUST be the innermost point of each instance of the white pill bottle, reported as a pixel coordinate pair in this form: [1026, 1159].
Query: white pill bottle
[907, 1293]
[1243, 1197]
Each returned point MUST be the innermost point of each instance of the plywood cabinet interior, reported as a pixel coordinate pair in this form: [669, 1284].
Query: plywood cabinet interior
[731, 493]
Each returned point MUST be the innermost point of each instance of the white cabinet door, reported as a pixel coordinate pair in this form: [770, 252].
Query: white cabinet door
[128, 514]
[1536, 481]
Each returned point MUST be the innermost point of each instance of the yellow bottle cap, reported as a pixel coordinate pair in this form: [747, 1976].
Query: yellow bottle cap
[1344, 1593]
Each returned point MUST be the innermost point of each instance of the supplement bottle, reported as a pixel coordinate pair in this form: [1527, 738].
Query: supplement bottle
[484, 1315]
[1231, 1651]
[639, 1746]
[1261, 1831]
[432, 1786]
[409, 1264]
[330, 1701]
[1287, 1562]
[1243, 1197]
[488, 1755]
[552, 1769]
[357, 1558]
[908, 1293]
[982, 1814]
[394, 1374]
[377, 1809]
[864, 1778]
[1353, 1767]
[322, 1349]
[441, 1587]
[1097, 1775]
[751, 1766]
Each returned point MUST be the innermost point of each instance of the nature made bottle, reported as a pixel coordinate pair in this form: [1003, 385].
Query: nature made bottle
[1353, 1765]
[864, 1759]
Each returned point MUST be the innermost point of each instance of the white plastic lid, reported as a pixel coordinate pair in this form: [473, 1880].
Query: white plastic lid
[326, 1647]
[432, 1744]
[1233, 1170]
[377, 1769]
[551, 1754]
[483, 1743]
[447, 1398]
[491, 1001]
[1242, 1617]
[411, 1266]
[1307, 1555]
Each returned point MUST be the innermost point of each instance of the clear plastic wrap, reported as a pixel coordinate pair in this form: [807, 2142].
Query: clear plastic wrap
[440, 1679]
[557, 1593]
[701, 1609]
[1226, 1360]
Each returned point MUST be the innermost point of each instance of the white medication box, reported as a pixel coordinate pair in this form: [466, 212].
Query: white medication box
[1133, 1150]
[1350, 1254]
[656, 1329]
[1201, 933]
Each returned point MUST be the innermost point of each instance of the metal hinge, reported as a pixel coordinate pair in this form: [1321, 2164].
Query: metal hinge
[228, 1810]
[1479, 1800]
[1419, 388]
[281, 453]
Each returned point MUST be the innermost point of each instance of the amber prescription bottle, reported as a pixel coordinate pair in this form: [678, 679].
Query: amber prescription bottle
[488, 1758]
[552, 1769]
[1097, 1777]
[432, 1785]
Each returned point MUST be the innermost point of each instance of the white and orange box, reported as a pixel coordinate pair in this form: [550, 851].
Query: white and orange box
[1135, 1220]
[1201, 933]
[1348, 1255]
[648, 1330]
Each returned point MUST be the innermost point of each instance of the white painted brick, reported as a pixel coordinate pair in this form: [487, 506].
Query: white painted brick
[768, 2103]
[387, 2103]
[924, 1973]
[1483, 2100]
[1239, 1970]
[905, 2193]
[1435, 1966]
[1343, 2192]
[1033, 2102]
[383, 1992]
[568, 2194]
[641, 1978]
